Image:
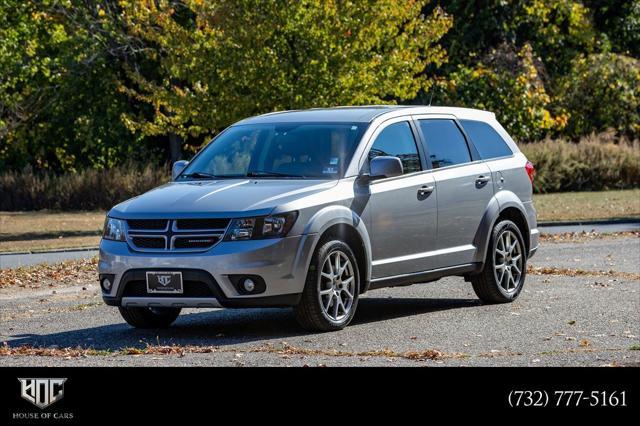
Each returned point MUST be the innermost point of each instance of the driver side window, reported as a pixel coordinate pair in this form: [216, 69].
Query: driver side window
[397, 140]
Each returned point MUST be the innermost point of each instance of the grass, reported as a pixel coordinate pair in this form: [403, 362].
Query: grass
[26, 231]
[588, 205]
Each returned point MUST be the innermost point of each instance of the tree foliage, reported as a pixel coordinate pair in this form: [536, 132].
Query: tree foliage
[507, 82]
[61, 67]
[88, 83]
[603, 91]
[217, 62]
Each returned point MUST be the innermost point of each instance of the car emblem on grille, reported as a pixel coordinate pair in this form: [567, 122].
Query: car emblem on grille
[164, 279]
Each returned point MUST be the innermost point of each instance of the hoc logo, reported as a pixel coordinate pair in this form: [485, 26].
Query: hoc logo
[42, 392]
[164, 279]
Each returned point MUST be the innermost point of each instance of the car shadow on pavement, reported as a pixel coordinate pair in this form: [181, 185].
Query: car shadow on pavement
[231, 326]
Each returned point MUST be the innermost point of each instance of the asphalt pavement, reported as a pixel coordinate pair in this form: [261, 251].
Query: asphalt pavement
[583, 310]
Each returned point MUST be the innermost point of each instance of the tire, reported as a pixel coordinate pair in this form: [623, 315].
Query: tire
[494, 284]
[319, 308]
[149, 317]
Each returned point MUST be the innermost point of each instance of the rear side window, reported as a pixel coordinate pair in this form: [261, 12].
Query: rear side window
[397, 140]
[445, 143]
[486, 140]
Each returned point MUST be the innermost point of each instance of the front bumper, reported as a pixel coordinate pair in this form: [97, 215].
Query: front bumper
[282, 263]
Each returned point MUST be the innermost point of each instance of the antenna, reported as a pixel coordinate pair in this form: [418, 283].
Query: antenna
[430, 98]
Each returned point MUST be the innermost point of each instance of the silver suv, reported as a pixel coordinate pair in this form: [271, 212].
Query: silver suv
[310, 209]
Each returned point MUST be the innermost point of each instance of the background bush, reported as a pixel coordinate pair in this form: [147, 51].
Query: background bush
[86, 190]
[598, 162]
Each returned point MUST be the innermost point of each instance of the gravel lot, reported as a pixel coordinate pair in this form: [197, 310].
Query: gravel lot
[562, 318]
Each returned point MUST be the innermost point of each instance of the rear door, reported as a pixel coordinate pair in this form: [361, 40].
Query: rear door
[464, 186]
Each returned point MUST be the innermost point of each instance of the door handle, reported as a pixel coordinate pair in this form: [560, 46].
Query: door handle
[424, 190]
[481, 180]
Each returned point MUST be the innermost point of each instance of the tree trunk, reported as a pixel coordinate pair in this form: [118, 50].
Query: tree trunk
[175, 144]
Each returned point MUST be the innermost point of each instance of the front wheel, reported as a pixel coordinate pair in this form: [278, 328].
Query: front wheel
[140, 317]
[330, 295]
[505, 266]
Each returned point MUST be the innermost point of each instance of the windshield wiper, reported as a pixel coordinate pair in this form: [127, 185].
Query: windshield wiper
[200, 175]
[204, 175]
[268, 173]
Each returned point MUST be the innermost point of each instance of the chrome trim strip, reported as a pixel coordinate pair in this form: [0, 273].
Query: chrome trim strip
[423, 254]
[171, 302]
[464, 265]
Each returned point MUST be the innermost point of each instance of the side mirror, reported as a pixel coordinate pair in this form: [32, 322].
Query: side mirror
[177, 168]
[385, 167]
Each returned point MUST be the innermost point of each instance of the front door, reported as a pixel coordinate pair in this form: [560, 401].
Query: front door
[403, 208]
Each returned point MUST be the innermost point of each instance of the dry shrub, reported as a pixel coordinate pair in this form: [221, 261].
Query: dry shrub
[87, 190]
[597, 162]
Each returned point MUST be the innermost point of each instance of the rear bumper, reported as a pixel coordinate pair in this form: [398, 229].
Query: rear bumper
[282, 263]
[534, 233]
[534, 242]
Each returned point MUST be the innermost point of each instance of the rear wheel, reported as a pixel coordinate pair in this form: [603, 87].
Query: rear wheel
[330, 296]
[140, 317]
[505, 266]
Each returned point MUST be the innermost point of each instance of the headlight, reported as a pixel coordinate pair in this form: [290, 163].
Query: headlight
[113, 229]
[255, 228]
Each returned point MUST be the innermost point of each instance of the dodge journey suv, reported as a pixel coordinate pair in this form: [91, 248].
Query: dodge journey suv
[310, 209]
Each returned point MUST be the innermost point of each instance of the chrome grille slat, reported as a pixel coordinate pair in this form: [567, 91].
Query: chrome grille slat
[148, 225]
[142, 239]
[145, 241]
[191, 225]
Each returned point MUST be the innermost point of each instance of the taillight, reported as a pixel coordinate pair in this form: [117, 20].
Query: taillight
[531, 171]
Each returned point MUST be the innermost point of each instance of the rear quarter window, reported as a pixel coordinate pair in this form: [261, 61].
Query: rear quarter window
[486, 140]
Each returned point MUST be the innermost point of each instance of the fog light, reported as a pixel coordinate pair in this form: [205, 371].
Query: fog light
[249, 285]
[106, 284]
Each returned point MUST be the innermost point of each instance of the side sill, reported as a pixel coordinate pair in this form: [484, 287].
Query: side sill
[424, 276]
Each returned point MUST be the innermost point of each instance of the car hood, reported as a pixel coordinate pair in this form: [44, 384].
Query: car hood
[218, 198]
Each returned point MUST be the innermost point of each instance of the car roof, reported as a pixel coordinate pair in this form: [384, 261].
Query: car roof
[362, 114]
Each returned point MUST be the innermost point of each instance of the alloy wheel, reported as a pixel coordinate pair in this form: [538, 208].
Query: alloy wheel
[337, 286]
[508, 261]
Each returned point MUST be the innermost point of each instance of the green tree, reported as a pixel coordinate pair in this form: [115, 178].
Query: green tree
[556, 30]
[62, 65]
[507, 82]
[217, 62]
[620, 21]
[603, 91]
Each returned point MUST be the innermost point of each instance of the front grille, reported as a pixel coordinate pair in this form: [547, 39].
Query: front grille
[191, 288]
[198, 224]
[147, 224]
[149, 242]
[162, 235]
[194, 242]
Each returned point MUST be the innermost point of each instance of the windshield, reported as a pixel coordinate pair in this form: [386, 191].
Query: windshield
[288, 150]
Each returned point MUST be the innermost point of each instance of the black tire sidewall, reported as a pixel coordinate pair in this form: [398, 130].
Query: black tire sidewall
[141, 317]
